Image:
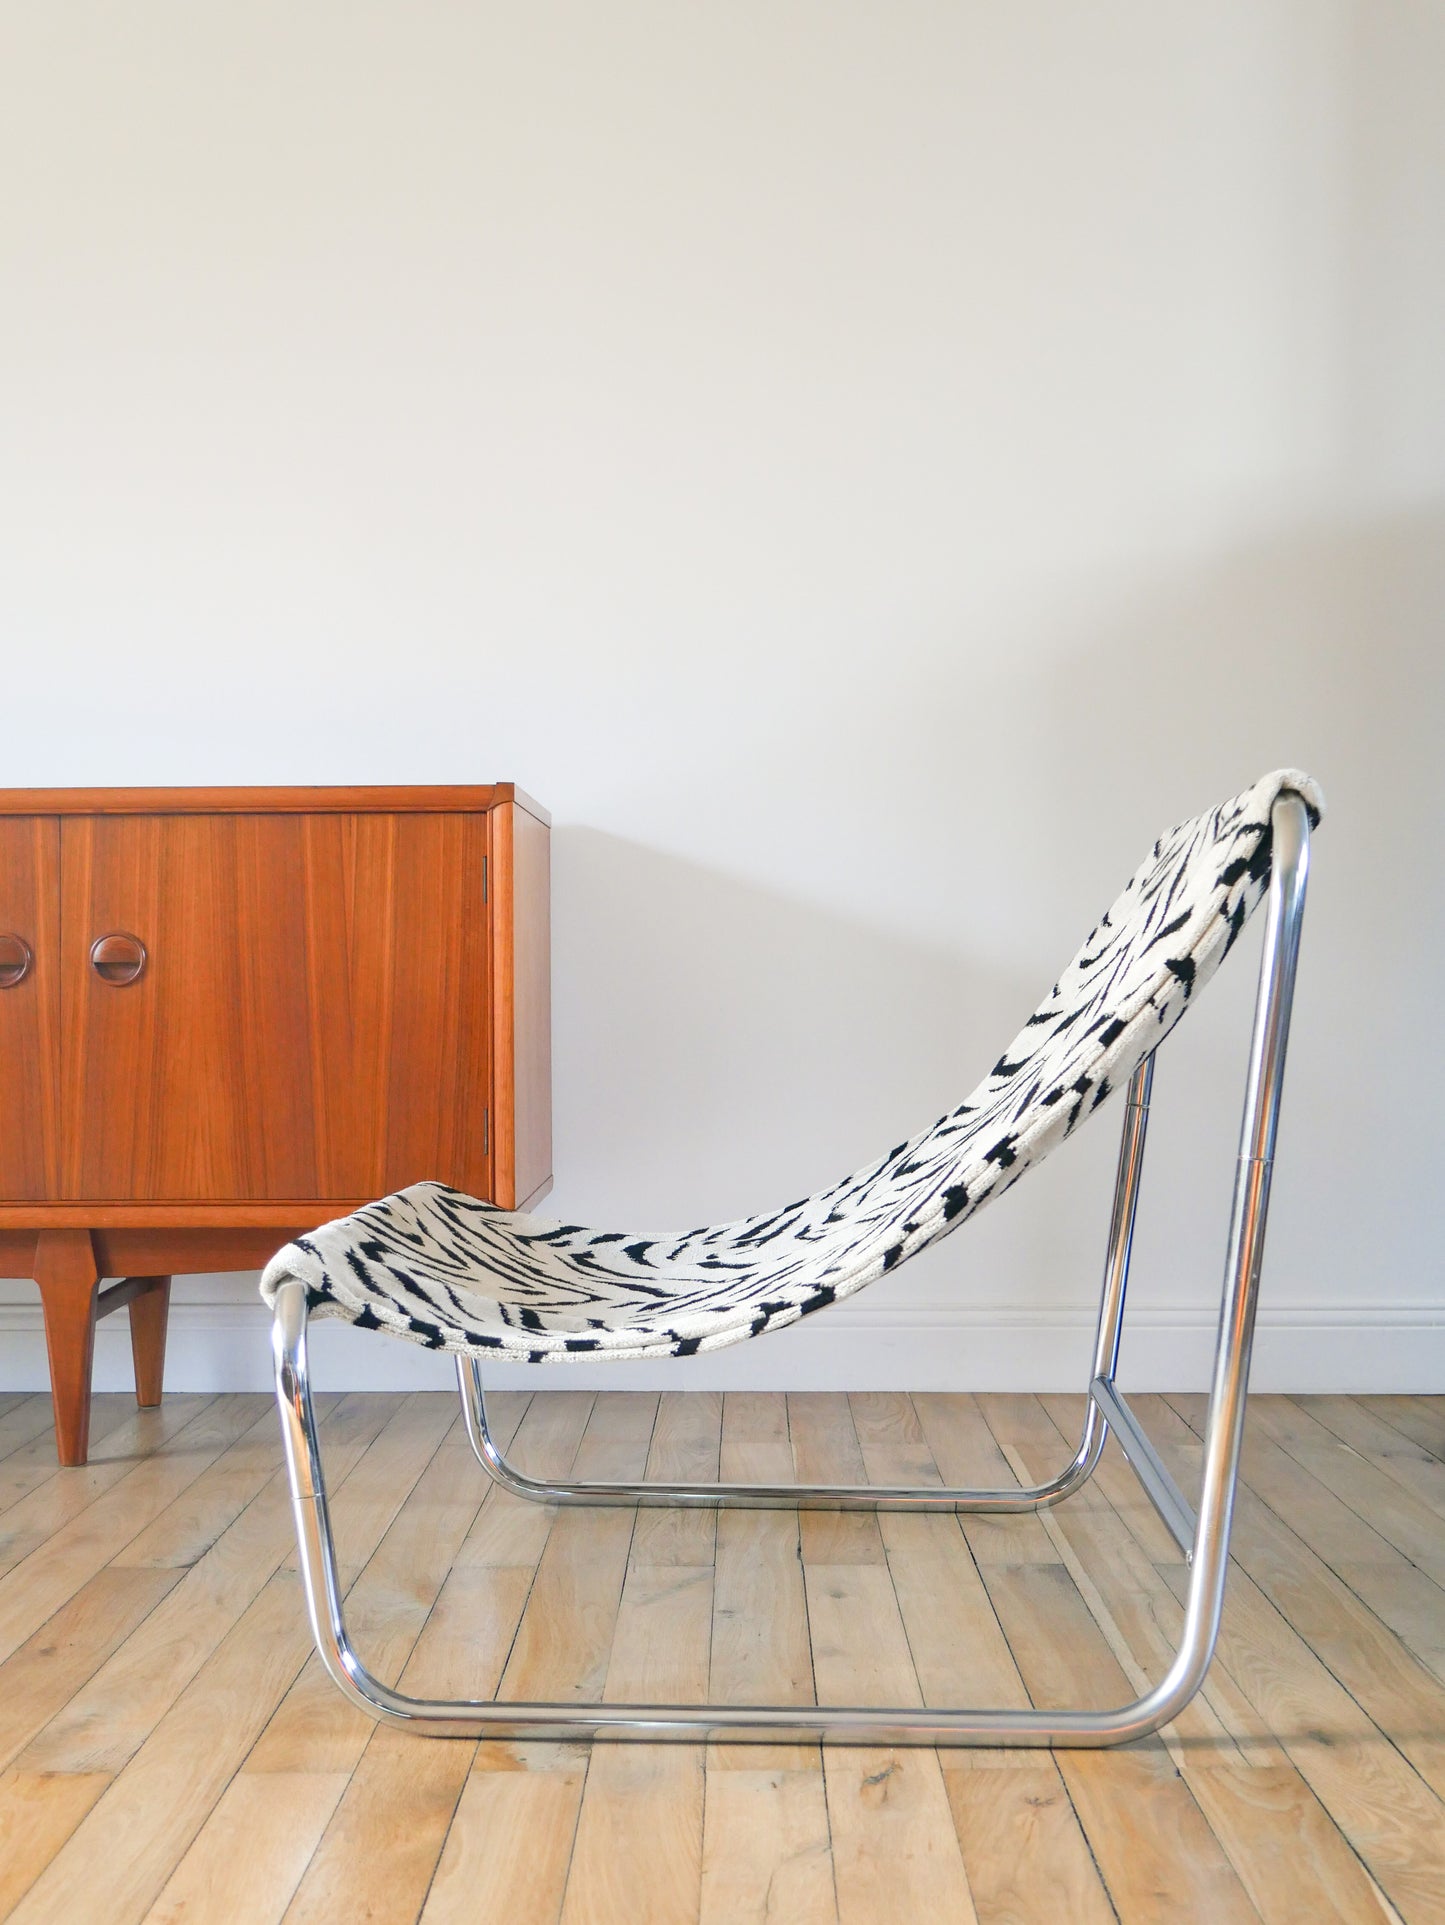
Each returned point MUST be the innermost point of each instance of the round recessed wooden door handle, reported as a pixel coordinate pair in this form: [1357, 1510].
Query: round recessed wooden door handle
[17, 959]
[118, 959]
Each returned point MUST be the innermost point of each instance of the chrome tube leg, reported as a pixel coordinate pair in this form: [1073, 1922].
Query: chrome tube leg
[1116, 1270]
[870, 1497]
[1264, 1086]
[884, 1725]
[315, 1545]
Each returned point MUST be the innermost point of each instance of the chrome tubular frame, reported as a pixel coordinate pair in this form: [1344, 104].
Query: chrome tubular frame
[1204, 1539]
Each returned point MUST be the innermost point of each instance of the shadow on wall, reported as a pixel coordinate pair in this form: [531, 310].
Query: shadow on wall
[723, 1048]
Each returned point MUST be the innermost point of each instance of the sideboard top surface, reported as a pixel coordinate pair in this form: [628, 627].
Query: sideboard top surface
[439, 799]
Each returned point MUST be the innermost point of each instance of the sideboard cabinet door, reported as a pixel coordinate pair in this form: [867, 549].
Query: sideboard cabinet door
[309, 1015]
[29, 1006]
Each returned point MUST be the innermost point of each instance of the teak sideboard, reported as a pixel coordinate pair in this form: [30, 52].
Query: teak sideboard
[229, 1015]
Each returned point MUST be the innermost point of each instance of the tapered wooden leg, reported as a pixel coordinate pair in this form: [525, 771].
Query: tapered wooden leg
[148, 1313]
[65, 1270]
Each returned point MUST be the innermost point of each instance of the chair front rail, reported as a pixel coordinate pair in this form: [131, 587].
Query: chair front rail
[904, 1725]
[655, 1494]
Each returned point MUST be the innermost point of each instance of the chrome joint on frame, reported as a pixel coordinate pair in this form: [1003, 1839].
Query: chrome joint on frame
[1147, 1465]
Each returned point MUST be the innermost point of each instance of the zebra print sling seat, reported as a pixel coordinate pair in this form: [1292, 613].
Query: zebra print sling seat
[445, 1270]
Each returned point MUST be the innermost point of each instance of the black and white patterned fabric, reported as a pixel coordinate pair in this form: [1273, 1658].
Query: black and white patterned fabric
[448, 1271]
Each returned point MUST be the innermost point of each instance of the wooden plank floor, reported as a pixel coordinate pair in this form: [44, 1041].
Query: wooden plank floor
[169, 1750]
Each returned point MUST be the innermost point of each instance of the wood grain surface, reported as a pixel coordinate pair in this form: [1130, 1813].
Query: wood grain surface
[170, 1751]
[310, 1022]
[521, 1008]
[30, 1010]
[393, 799]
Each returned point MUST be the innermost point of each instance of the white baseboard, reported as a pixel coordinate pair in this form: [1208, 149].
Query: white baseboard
[1398, 1348]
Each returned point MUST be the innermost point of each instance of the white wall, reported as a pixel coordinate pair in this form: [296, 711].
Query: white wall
[867, 468]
